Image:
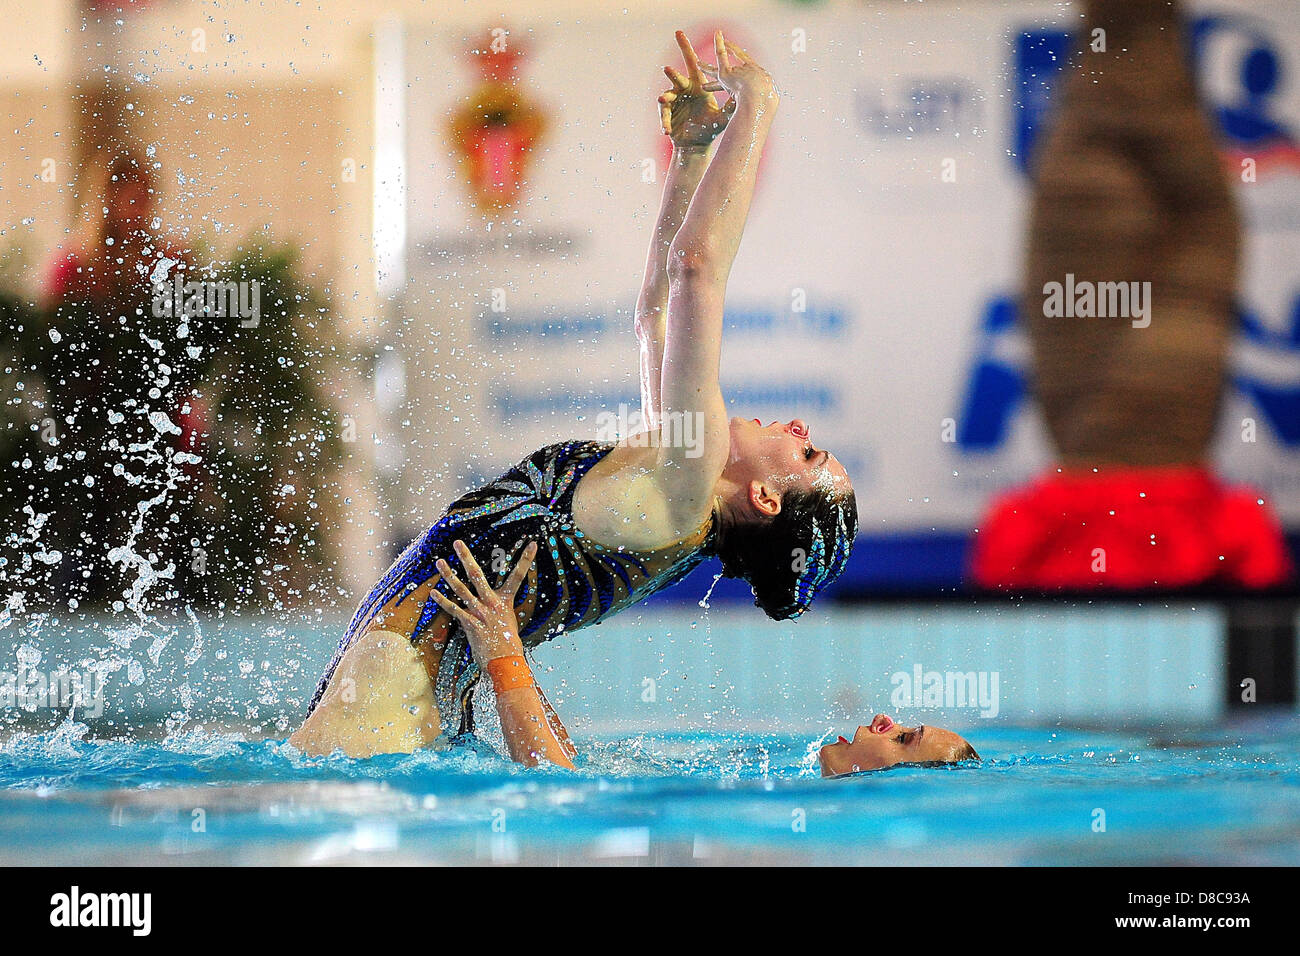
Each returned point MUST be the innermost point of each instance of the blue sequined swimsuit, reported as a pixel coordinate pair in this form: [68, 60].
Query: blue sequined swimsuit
[574, 581]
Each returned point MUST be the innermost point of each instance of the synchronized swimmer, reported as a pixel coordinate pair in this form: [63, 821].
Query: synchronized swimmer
[616, 522]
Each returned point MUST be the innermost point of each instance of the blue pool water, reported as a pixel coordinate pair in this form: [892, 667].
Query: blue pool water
[698, 729]
[1230, 795]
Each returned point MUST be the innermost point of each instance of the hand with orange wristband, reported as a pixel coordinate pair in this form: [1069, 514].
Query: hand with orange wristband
[532, 730]
[508, 673]
[488, 617]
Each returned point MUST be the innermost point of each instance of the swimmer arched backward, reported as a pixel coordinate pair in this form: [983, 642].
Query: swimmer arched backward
[617, 522]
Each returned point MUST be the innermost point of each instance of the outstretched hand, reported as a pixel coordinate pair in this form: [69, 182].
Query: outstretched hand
[739, 73]
[689, 112]
[488, 617]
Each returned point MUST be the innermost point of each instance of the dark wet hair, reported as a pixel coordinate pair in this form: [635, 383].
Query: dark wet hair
[964, 755]
[788, 558]
[967, 752]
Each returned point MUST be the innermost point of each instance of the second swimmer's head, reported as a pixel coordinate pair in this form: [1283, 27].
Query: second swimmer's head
[789, 515]
[884, 743]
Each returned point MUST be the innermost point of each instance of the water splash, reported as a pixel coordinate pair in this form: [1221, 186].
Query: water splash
[704, 601]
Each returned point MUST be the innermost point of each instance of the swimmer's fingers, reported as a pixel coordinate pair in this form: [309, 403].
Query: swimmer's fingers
[666, 101]
[467, 620]
[474, 573]
[741, 55]
[692, 61]
[680, 83]
[456, 584]
[720, 51]
[517, 576]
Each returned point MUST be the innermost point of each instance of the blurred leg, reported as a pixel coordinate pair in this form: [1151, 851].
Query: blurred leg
[379, 700]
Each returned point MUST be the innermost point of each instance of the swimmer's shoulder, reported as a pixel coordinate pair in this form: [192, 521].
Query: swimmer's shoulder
[622, 502]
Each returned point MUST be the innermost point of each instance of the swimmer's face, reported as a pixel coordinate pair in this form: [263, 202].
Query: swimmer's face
[128, 202]
[782, 455]
[883, 743]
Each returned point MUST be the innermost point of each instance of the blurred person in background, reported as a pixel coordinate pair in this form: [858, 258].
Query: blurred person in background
[100, 359]
[179, 434]
[115, 250]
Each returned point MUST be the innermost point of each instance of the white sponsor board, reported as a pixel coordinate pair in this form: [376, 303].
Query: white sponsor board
[888, 226]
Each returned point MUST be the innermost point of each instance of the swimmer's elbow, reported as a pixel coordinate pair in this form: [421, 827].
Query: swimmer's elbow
[692, 262]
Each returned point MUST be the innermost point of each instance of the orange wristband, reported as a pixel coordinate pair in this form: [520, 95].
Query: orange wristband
[508, 673]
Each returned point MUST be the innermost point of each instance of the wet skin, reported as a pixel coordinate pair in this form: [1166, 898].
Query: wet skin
[783, 453]
[884, 743]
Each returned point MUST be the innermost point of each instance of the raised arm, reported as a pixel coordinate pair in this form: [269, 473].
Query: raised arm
[699, 262]
[709, 236]
[691, 117]
[532, 729]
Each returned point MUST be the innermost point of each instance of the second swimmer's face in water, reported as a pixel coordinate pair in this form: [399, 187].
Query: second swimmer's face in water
[784, 456]
[883, 743]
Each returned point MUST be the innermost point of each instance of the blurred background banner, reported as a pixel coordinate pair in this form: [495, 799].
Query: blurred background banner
[875, 292]
[461, 202]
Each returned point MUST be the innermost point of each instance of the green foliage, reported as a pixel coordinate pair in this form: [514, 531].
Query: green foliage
[272, 425]
[82, 440]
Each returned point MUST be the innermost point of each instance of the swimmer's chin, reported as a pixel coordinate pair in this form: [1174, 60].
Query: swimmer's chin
[828, 769]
